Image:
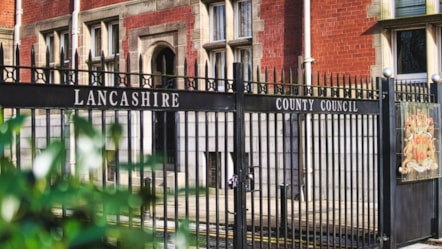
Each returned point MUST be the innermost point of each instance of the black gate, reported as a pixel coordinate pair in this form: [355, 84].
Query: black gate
[410, 204]
[260, 165]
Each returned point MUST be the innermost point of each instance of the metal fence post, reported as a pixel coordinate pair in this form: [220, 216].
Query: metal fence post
[436, 90]
[2, 65]
[387, 163]
[283, 187]
[240, 169]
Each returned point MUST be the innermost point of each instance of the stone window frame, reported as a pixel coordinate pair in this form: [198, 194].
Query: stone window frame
[222, 36]
[237, 21]
[407, 76]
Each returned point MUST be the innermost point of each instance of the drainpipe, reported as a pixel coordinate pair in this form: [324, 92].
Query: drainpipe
[308, 82]
[74, 48]
[17, 26]
[307, 44]
[75, 30]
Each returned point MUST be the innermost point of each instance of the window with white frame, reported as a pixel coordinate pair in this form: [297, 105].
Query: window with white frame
[218, 62]
[218, 21]
[64, 45]
[410, 53]
[55, 42]
[243, 55]
[113, 38]
[109, 45]
[50, 51]
[410, 7]
[113, 47]
[229, 41]
[96, 40]
[243, 19]
[50, 47]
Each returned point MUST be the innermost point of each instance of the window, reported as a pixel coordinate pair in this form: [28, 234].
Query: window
[218, 22]
[213, 160]
[218, 61]
[54, 43]
[50, 47]
[228, 41]
[113, 38]
[243, 19]
[411, 53]
[64, 45]
[409, 7]
[113, 47]
[96, 40]
[109, 45]
[243, 55]
[111, 76]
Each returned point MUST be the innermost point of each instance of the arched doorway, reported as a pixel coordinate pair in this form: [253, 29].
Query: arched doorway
[165, 128]
[163, 63]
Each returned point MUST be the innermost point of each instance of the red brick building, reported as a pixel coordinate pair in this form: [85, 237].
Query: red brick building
[364, 37]
[258, 33]
[347, 37]
[7, 21]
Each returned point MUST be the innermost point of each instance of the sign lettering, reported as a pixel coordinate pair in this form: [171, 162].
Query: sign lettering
[122, 98]
[309, 105]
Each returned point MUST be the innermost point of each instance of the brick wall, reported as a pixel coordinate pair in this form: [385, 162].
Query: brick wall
[86, 5]
[25, 56]
[342, 41]
[37, 10]
[281, 36]
[7, 13]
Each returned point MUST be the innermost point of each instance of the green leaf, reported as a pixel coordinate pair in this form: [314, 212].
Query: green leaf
[88, 235]
[116, 132]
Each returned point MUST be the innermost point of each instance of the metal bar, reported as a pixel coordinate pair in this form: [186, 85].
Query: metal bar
[320, 183]
[387, 174]
[226, 177]
[283, 185]
[197, 180]
[207, 175]
[2, 64]
[436, 90]
[130, 161]
[164, 162]
[276, 169]
[313, 179]
[261, 178]
[239, 168]
[186, 164]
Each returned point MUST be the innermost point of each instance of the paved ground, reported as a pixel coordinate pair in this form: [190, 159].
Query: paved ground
[422, 246]
[430, 244]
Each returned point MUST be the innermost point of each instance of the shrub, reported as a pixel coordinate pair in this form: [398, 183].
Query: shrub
[44, 208]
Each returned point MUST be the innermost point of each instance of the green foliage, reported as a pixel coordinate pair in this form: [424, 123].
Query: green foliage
[43, 208]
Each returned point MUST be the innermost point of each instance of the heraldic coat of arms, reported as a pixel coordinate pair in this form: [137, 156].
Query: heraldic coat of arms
[419, 152]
